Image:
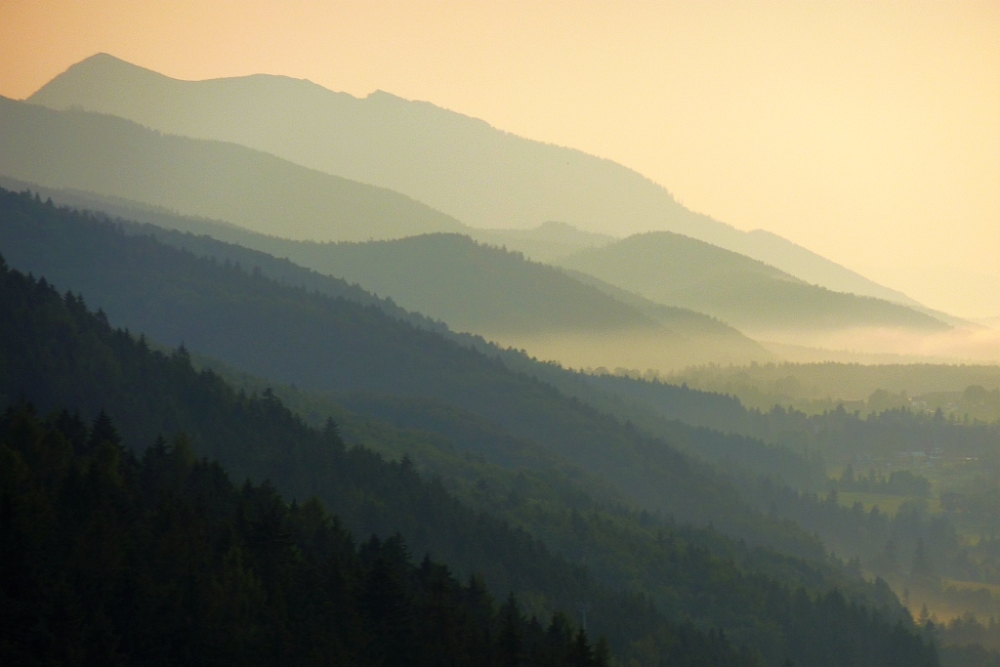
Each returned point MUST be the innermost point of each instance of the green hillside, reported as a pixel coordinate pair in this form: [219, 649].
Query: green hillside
[57, 354]
[191, 234]
[112, 156]
[473, 287]
[287, 584]
[481, 175]
[523, 304]
[756, 298]
[317, 342]
[470, 287]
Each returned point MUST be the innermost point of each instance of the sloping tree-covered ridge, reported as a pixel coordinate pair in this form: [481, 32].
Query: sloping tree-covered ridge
[59, 354]
[55, 352]
[107, 558]
[292, 336]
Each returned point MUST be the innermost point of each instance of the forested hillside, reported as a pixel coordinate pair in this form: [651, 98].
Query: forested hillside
[317, 342]
[57, 354]
[471, 287]
[158, 558]
[200, 237]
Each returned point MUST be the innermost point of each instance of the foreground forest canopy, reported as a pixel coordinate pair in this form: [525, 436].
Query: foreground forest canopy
[110, 558]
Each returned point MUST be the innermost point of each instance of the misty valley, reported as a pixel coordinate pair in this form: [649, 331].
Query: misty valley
[289, 377]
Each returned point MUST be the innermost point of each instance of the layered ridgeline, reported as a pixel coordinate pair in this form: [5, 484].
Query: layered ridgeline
[174, 296]
[505, 298]
[480, 175]
[55, 353]
[473, 288]
[757, 298]
[112, 156]
[744, 454]
[317, 342]
[849, 533]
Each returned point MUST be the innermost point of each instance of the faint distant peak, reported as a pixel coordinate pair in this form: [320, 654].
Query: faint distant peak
[557, 226]
[103, 69]
[105, 62]
[561, 229]
[380, 94]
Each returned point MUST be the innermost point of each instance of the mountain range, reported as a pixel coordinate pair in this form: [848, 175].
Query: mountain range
[475, 288]
[485, 177]
[112, 156]
[57, 353]
[161, 289]
[379, 306]
[755, 297]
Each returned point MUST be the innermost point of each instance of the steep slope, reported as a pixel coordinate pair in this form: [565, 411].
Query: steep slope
[57, 353]
[314, 341]
[462, 166]
[759, 299]
[288, 585]
[575, 320]
[112, 156]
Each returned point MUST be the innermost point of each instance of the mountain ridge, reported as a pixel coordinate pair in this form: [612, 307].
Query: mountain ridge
[521, 183]
[678, 270]
[470, 286]
[117, 157]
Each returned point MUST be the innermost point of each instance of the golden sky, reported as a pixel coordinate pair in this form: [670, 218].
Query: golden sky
[866, 131]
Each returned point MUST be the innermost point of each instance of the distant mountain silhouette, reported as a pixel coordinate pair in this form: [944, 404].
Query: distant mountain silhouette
[757, 298]
[544, 243]
[462, 166]
[113, 156]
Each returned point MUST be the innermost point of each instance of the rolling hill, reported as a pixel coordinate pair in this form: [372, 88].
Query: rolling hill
[462, 166]
[471, 287]
[116, 157]
[757, 298]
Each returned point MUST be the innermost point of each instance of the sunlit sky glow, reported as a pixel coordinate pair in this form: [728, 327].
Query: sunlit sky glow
[866, 131]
